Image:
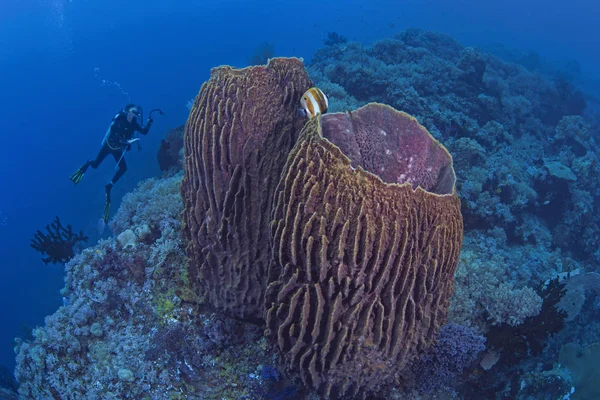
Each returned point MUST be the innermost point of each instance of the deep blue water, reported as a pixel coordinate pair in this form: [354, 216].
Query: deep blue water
[55, 109]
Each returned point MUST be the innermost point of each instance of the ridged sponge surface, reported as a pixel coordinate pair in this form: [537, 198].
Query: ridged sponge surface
[238, 135]
[362, 267]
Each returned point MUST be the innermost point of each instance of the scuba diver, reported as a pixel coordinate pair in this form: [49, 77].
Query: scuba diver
[116, 142]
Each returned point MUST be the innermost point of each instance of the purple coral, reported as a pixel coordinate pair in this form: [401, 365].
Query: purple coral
[457, 348]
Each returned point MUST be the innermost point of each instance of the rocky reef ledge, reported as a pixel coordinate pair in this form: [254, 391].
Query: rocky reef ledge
[129, 330]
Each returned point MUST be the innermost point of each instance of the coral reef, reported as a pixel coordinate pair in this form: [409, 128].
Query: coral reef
[239, 132]
[576, 286]
[126, 330]
[519, 138]
[141, 320]
[485, 293]
[151, 211]
[441, 367]
[525, 155]
[366, 236]
[57, 242]
[527, 339]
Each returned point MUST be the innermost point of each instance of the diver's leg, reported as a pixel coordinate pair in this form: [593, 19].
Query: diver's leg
[119, 157]
[104, 151]
[78, 175]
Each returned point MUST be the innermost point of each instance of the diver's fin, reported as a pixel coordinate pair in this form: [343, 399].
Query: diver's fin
[107, 188]
[78, 175]
[106, 211]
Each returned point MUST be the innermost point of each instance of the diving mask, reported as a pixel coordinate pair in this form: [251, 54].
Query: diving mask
[133, 114]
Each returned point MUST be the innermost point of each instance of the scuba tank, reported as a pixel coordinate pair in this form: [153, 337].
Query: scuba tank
[105, 139]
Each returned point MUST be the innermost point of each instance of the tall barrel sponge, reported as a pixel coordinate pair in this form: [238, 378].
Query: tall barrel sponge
[239, 132]
[366, 232]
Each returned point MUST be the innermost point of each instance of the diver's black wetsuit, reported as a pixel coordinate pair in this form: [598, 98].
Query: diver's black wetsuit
[115, 143]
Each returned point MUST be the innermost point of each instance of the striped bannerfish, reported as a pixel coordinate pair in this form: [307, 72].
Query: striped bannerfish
[314, 102]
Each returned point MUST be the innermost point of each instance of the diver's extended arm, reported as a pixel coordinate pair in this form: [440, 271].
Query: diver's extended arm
[145, 129]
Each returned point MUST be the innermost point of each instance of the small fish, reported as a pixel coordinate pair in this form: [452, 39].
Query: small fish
[314, 102]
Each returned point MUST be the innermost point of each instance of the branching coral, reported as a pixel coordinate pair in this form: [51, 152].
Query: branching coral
[57, 242]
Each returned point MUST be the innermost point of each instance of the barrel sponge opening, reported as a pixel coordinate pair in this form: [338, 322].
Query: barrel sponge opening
[239, 132]
[392, 145]
[363, 265]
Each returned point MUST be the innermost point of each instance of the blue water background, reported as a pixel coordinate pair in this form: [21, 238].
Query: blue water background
[61, 60]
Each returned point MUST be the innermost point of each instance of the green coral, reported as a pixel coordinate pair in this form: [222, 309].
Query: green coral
[165, 306]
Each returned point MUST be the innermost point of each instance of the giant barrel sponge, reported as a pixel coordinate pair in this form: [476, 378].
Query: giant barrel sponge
[366, 234]
[238, 135]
